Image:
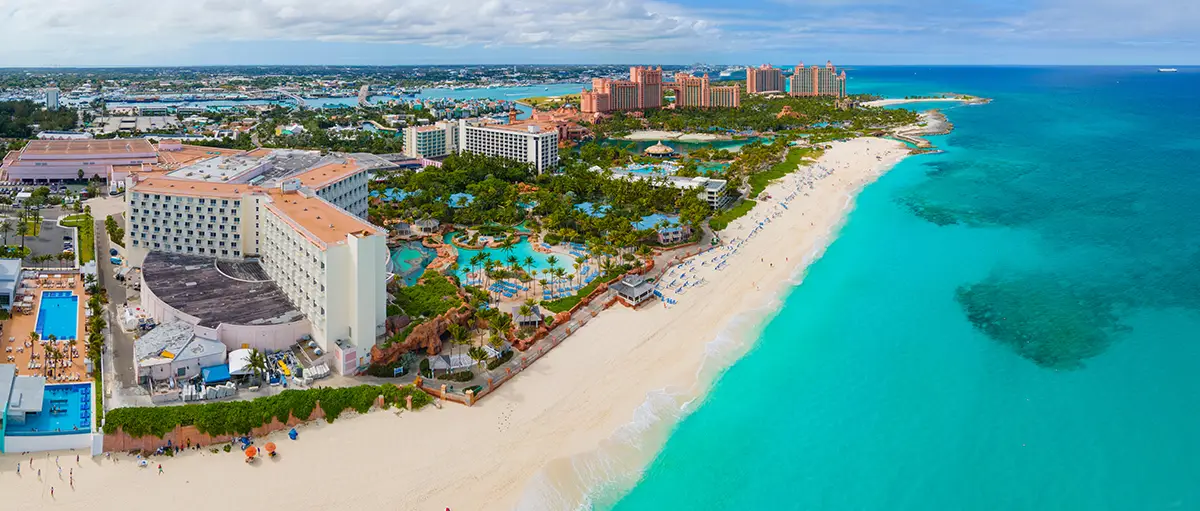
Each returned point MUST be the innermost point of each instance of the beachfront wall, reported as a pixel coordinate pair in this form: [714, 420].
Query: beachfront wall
[260, 337]
[40, 443]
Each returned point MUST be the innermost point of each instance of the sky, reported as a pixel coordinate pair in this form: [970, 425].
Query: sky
[40, 33]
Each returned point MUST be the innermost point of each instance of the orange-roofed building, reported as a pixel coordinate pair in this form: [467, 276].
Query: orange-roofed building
[329, 263]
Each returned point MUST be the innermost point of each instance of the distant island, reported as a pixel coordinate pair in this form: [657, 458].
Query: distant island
[949, 96]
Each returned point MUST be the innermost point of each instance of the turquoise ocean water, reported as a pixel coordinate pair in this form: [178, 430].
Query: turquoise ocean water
[1012, 324]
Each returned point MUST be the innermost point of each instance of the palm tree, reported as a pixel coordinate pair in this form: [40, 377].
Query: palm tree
[479, 355]
[257, 363]
[475, 261]
[23, 229]
[502, 323]
[6, 228]
[459, 336]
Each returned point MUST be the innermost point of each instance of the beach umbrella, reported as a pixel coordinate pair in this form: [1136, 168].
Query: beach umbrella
[270, 447]
[251, 451]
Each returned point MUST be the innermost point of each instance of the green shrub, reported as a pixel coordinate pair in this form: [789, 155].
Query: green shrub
[498, 361]
[565, 303]
[240, 417]
[722, 220]
[552, 239]
[425, 371]
[433, 296]
[461, 376]
[228, 448]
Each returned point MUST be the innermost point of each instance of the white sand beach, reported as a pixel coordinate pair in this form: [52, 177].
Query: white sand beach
[594, 409]
[674, 135]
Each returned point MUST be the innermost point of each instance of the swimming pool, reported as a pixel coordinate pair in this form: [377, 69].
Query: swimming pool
[65, 409]
[409, 261]
[521, 250]
[58, 315]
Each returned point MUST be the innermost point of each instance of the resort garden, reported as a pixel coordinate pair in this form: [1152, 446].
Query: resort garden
[515, 248]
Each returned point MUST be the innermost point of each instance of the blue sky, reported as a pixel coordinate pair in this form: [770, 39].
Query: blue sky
[363, 32]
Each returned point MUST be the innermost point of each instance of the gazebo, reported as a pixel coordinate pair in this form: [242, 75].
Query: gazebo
[660, 150]
[633, 289]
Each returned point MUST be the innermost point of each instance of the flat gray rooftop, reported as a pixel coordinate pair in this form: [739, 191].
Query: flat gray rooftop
[197, 286]
[285, 162]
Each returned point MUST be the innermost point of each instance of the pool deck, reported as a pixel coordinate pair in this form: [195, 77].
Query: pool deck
[16, 330]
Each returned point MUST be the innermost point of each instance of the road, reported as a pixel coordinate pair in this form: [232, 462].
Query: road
[118, 361]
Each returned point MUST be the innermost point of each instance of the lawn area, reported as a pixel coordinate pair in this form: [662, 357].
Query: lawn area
[33, 227]
[87, 236]
[721, 221]
[565, 303]
[795, 157]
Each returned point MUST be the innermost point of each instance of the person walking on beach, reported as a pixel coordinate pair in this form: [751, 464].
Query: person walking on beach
[18, 468]
[160, 469]
[76, 459]
[51, 492]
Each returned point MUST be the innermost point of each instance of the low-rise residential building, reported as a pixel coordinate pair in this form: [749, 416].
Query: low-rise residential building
[172, 351]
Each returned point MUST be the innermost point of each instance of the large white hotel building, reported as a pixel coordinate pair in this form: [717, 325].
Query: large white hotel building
[526, 141]
[303, 234]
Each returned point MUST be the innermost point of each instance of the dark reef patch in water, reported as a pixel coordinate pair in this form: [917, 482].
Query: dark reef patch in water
[1042, 318]
[1010, 194]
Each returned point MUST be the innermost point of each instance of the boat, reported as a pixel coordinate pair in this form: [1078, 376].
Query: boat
[1167, 70]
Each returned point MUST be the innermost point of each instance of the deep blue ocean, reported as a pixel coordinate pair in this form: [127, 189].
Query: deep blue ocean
[1011, 324]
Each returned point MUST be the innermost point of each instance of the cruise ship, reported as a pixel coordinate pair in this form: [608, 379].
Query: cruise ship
[1167, 70]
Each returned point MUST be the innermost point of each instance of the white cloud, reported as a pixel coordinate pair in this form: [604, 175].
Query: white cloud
[66, 30]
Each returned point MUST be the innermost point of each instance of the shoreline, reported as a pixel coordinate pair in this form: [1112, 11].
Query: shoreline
[605, 399]
[964, 100]
[646, 135]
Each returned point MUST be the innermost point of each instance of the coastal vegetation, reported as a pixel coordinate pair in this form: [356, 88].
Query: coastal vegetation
[506, 192]
[17, 118]
[760, 114]
[564, 304]
[240, 417]
[721, 220]
[795, 157]
[550, 102]
[433, 295]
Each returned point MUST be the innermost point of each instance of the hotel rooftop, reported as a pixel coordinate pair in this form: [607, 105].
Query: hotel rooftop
[318, 218]
[219, 168]
[217, 291]
[87, 147]
[328, 173]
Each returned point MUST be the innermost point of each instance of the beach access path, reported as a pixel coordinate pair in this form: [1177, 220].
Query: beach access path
[595, 408]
